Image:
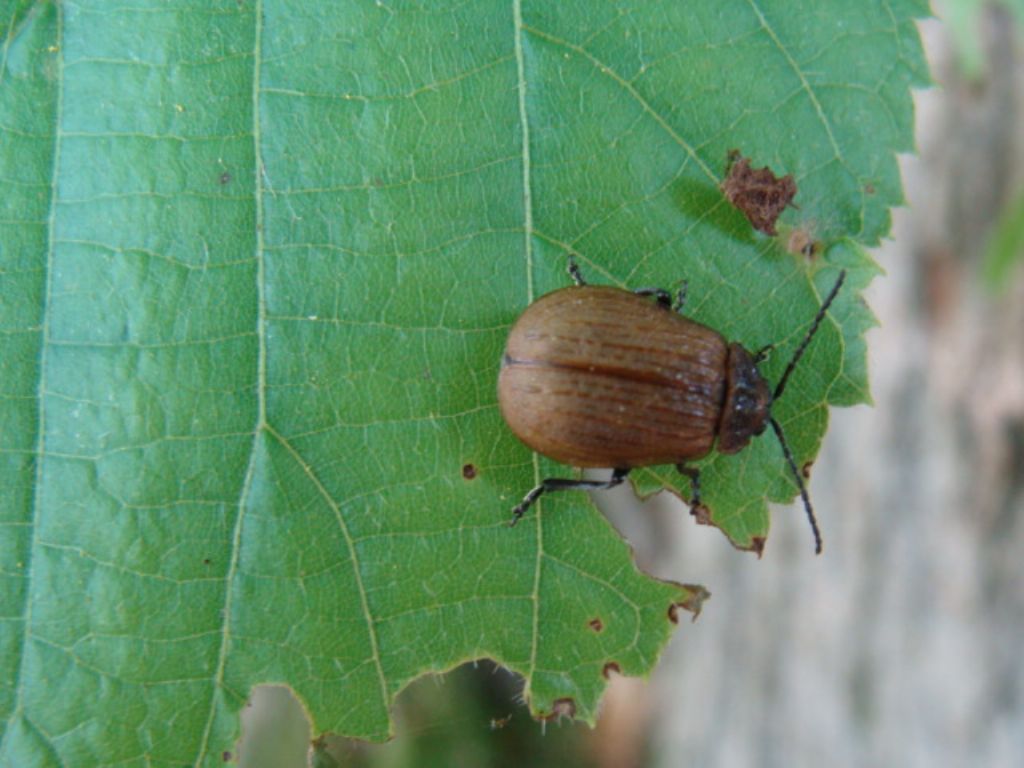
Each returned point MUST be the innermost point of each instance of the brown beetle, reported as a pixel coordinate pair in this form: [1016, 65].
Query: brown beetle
[596, 376]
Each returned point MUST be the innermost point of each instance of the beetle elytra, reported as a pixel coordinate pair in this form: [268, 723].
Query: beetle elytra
[597, 376]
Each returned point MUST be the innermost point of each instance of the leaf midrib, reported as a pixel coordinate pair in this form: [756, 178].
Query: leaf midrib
[524, 125]
[44, 333]
[263, 428]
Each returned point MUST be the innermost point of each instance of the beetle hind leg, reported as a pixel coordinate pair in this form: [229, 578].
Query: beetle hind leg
[680, 301]
[565, 484]
[664, 298]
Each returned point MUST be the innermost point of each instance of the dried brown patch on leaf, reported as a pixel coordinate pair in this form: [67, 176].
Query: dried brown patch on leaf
[596, 624]
[757, 192]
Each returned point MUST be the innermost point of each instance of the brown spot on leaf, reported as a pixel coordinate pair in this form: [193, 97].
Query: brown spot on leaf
[226, 756]
[610, 667]
[225, 178]
[869, 189]
[801, 242]
[561, 708]
[757, 192]
[206, 561]
[596, 624]
[468, 471]
[805, 470]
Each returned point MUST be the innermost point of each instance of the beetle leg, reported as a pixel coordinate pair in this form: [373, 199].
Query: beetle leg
[574, 272]
[681, 297]
[565, 484]
[694, 474]
[762, 353]
[664, 297]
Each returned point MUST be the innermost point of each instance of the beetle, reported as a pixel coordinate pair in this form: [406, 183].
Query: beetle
[598, 376]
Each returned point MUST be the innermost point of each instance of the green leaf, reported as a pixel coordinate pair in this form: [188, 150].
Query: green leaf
[257, 266]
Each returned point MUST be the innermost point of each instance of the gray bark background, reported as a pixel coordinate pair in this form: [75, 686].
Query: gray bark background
[902, 644]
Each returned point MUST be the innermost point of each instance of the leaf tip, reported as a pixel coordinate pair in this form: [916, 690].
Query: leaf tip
[693, 601]
[756, 546]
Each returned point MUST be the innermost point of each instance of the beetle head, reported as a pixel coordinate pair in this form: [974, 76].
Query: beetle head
[747, 400]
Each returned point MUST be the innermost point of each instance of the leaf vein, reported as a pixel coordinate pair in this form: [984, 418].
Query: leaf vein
[261, 407]
[806, 86]
[633, 93]
[371, 622]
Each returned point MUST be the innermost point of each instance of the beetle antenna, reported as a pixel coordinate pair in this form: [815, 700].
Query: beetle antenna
[810, 335]
[799, 484]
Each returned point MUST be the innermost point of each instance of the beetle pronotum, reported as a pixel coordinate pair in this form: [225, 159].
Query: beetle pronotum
[596, 376]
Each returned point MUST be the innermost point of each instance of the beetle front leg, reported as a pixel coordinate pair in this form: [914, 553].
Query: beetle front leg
[694, 474]
[761, 355]
[564, 484]
[574, 271]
